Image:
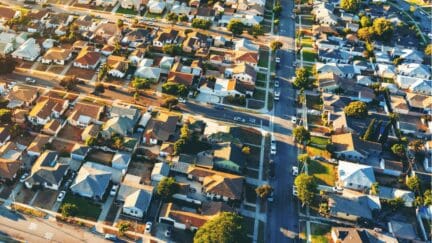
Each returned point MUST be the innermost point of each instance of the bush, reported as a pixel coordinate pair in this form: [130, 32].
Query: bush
[69, 210]
[236, 100]
[174, 89]
[201, 24]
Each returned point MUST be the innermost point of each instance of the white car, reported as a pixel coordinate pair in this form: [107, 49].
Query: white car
[113, 190]
[181, 100]
[294, 120]
[337, 189]
[295, 170]
[30, 80]
[276, 84]
[61, 196]
[270, 198]
[295, 193]
[148, 227]
[273, 147]
[24, 177]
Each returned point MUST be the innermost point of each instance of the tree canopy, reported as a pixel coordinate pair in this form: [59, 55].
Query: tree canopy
[302, 80]
[236, 27]
[172, 49]
[7, 64]
[398, 149]
[349, 5]
[140, 83]
[263, 191]
[256, 30]
[225, 228]
[301, 135]
[201, 24]
[365, 21]
[167, 187]
[383, 28]
[356, 109]
[5, 115]
[174, 89]
[306, 188]
[276, 45]
[428, 50]
[69, 210]
[413, 183]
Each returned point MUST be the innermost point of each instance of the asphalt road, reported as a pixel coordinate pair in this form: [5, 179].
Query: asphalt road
[282, 221]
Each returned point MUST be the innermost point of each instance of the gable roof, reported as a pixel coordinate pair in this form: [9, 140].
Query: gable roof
[351, 142]
[83, 109]
[87, 56]
[245, 68]
[7, 13]
[46, 106]
[353, 206]
[91, 181]
[163, 126]
[10, 161]
[48, 169]
[38, 143]
[119, 125]
[180, 78]
[228, 156]
[56, 53]
[356, 174]
[22, 94]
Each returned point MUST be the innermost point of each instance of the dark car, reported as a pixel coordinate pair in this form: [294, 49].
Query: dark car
[271, 169]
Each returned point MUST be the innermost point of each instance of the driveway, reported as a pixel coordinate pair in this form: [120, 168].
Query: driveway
[206, 98]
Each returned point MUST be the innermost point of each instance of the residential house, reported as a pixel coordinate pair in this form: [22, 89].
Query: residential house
[414, 70]
[107, 32]
[156, 7]
[150, 73]
[57, 20]
[47, 171]
[353, 206]
[137, 37]
[355, 176]
[328, 82]
[85, 113]
[410, 56]
[21, 96]
[57, 55]
[420, 102]
[221, 87]
[364, 80]
[4, 135]
[421, 87]
[249, 58]
[118, 66]
[79, 152]
[399, 105]
[403, 231]
[166, 37]
[245, 45]
[389, 193]
[387, 71]
[405, 82]
[206, 13]
[106, 3]
[228, 157]
[136, 197]
[350, 147]
[218, 185]
[136, 56]
[92, 182]
[342, 70]
[91, 131]
[354, 235]
[38, 145]
[10, 161]
[195, 41]
[28, 51]
[86, 23]
[121, 161]
[242, 72]
[180, 8]
[165, 64]
[7, 43]
[47, 108]
[131, 4]
[160, 171]
[123, 110]
[19, 116]
[160, 128]
[181, 78]
[53, 127]
[412, 124]
[7, 14]
[87, 58]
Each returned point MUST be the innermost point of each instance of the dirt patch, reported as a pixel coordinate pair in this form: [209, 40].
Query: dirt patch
[25, 195]
[24, 64]
[81, 73]
[45, 199]
[24, 140]
[57, 69]
[142, 168]
[41, 67]
[247, 135]
[71, 133]
[62, 146]
[100, 156]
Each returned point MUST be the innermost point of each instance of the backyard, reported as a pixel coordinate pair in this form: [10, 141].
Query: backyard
[320, 233]
[86, 208]
[319, 142]
[314, 102]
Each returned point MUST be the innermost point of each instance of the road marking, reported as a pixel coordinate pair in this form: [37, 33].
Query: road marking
[32, 226]
[48, 235]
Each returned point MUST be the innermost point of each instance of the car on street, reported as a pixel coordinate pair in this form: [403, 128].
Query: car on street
[295, 170]
[271, 169]
[295, 193]
[277, 59]
[276, 84]
[111, 237]
[252, 120]
[219, 107]
[238, 118]
[273, 147]
[337, 189]
[181, 100]
[30, 80]
[24, 177]
[61, 196]
[294, 120]
[318, 158]
[270, 197]
[113, 190]
[148, 227]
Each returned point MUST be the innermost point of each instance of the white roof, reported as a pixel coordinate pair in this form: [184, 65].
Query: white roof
[357, 174]
[7, 37]
[29, 49]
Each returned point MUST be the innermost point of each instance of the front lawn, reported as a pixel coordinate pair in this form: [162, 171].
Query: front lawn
[314, 102]
[263, 58]
[87, 209]
[261, 76]
[259, 94]
[307, 42]
[126, 11]
[309, 55]
[323, 172]
[319, 142]
[314, 151]
[153, 15]
[320, 233]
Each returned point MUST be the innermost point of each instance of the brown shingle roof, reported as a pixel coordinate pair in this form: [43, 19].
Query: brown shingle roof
[88, 57]
[7, 13]
[349, 142]
[45, 107]
[180, 78]
[39, 143]
[57, 53]
[85, 109]
[9, 160]
[245, 56]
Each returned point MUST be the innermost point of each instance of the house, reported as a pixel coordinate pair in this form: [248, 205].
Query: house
[28, 51]
[57, 55]
[79, 152]
[350, 147]
[118, 125]
[136, 197]
[106, 3]
[357, 235]
[419, 101]
[160, 171]
[118, 66]
[47, 171]
[85, 113]
[180, 8]
[403, 231]
[7, 14]
[195, 41]
[137, 37]
[342, 70]
[364, 80]
[191, 218]
[21, 96]
[87, 58]
[242, 72]
[19, 116]
[250, 58]
[4, 135]
[47, 108]
[91, 131]
[228, 157]
[156, 7]
[405, 82]
[412, 124]
[165, 64]
[421, 87]
[353, 206]
[399, 105]
[136, 56]
[355, 176]
[411, 56]
[107, 32]
[245, 45]
[221, 87]
[206, 13]
[121, 161]
[127, 111]
[53, 127]
[218, 185]
[38, 145]
[180, 78]
[328, 82]
[86, 23]
[91, 182]
[160, 128]
[7, 43]
[414, 70]
[131, 4]
[10, 161]
[150, 73]
[389, 193]
[166, 37]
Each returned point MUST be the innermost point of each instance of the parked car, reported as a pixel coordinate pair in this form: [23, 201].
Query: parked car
[273, 147]
[270, 198]
[113, 190]
[30, 80]
[295, 170]
[271, 169]
[181, 100]
[294, 120]
[111, 237]
[337, 189]
[148, 227]
[61, 196]
[295, 193]
[24, 177]
[276, 84]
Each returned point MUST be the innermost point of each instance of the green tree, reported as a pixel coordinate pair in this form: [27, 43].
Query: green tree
[140, 83]
[236, 27]
[276, 45]
[356, 109]
[69, 210]
[69, 83]
[123, 226]
[375, 188]
[183, 18]
[120, 23]
[103, 71]
[15, 131]
[306, 188]
[383, 28]
[100, 88]
[365, 33]
[263, 191]
[365, 21]
[369, 134]
[427, 50]
[225, 228]
[172, 17]
[169, 102]
[175, 89]
[427, 197]
[277, 9]
[349, 5]
[256, 30]
[301, 135]
[5, 115]
[413, 183]
[303, 158]
[167, 187]
[7, 64]
[398, 149]
[396, 203]
[179, 146]
[201, 24]
[302, 80]
[416, 145]
[185, 132]
[172, 49]
[90, 141]
[246, 150]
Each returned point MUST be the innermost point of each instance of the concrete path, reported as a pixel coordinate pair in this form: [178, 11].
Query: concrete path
[105, 209]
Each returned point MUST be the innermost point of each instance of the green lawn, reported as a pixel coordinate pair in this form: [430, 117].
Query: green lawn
[126, 11]
[153, 15]
[319, 140]
[263, 58]
[87, 208]
[261, 76]
[307, 42]
[314, 151]
[320, 233]
[309, 55]
[260, 83]
[259, 94]
[270, 101]
[307, 20]
[323, 172]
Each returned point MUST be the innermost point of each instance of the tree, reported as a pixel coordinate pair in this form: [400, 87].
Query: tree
[303, 158]
[365, 21]
[90, 141]
[263, 191]
[277, 9]
[356, 109]
[185, 132]
[69, 210]
[140, 83]
[375, 188]
[103, 71]
[201, 24]
[175, 89]
[169, 102]
[302, 80]
[7, 64]
[276, 45]
[246, 150]
[179, 145]
[120, 23]
[15, 131]
[383, 28]
[5, 115]
[172, 17]
[100, 88]
[416, 145]
[256, 30]
[306, 188]
[370, 131]
[69, 83]
[123, 226]
[136, 96]
[227, 227]
[172, 49]
[427, 197]
[167, 187]
[398, 149]
[427, 50]
[349, 5]
[301, 135]
[365, 33]
[117, 142]
[235, 26]
[413, 183]
[182, 18]
[396, 203]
